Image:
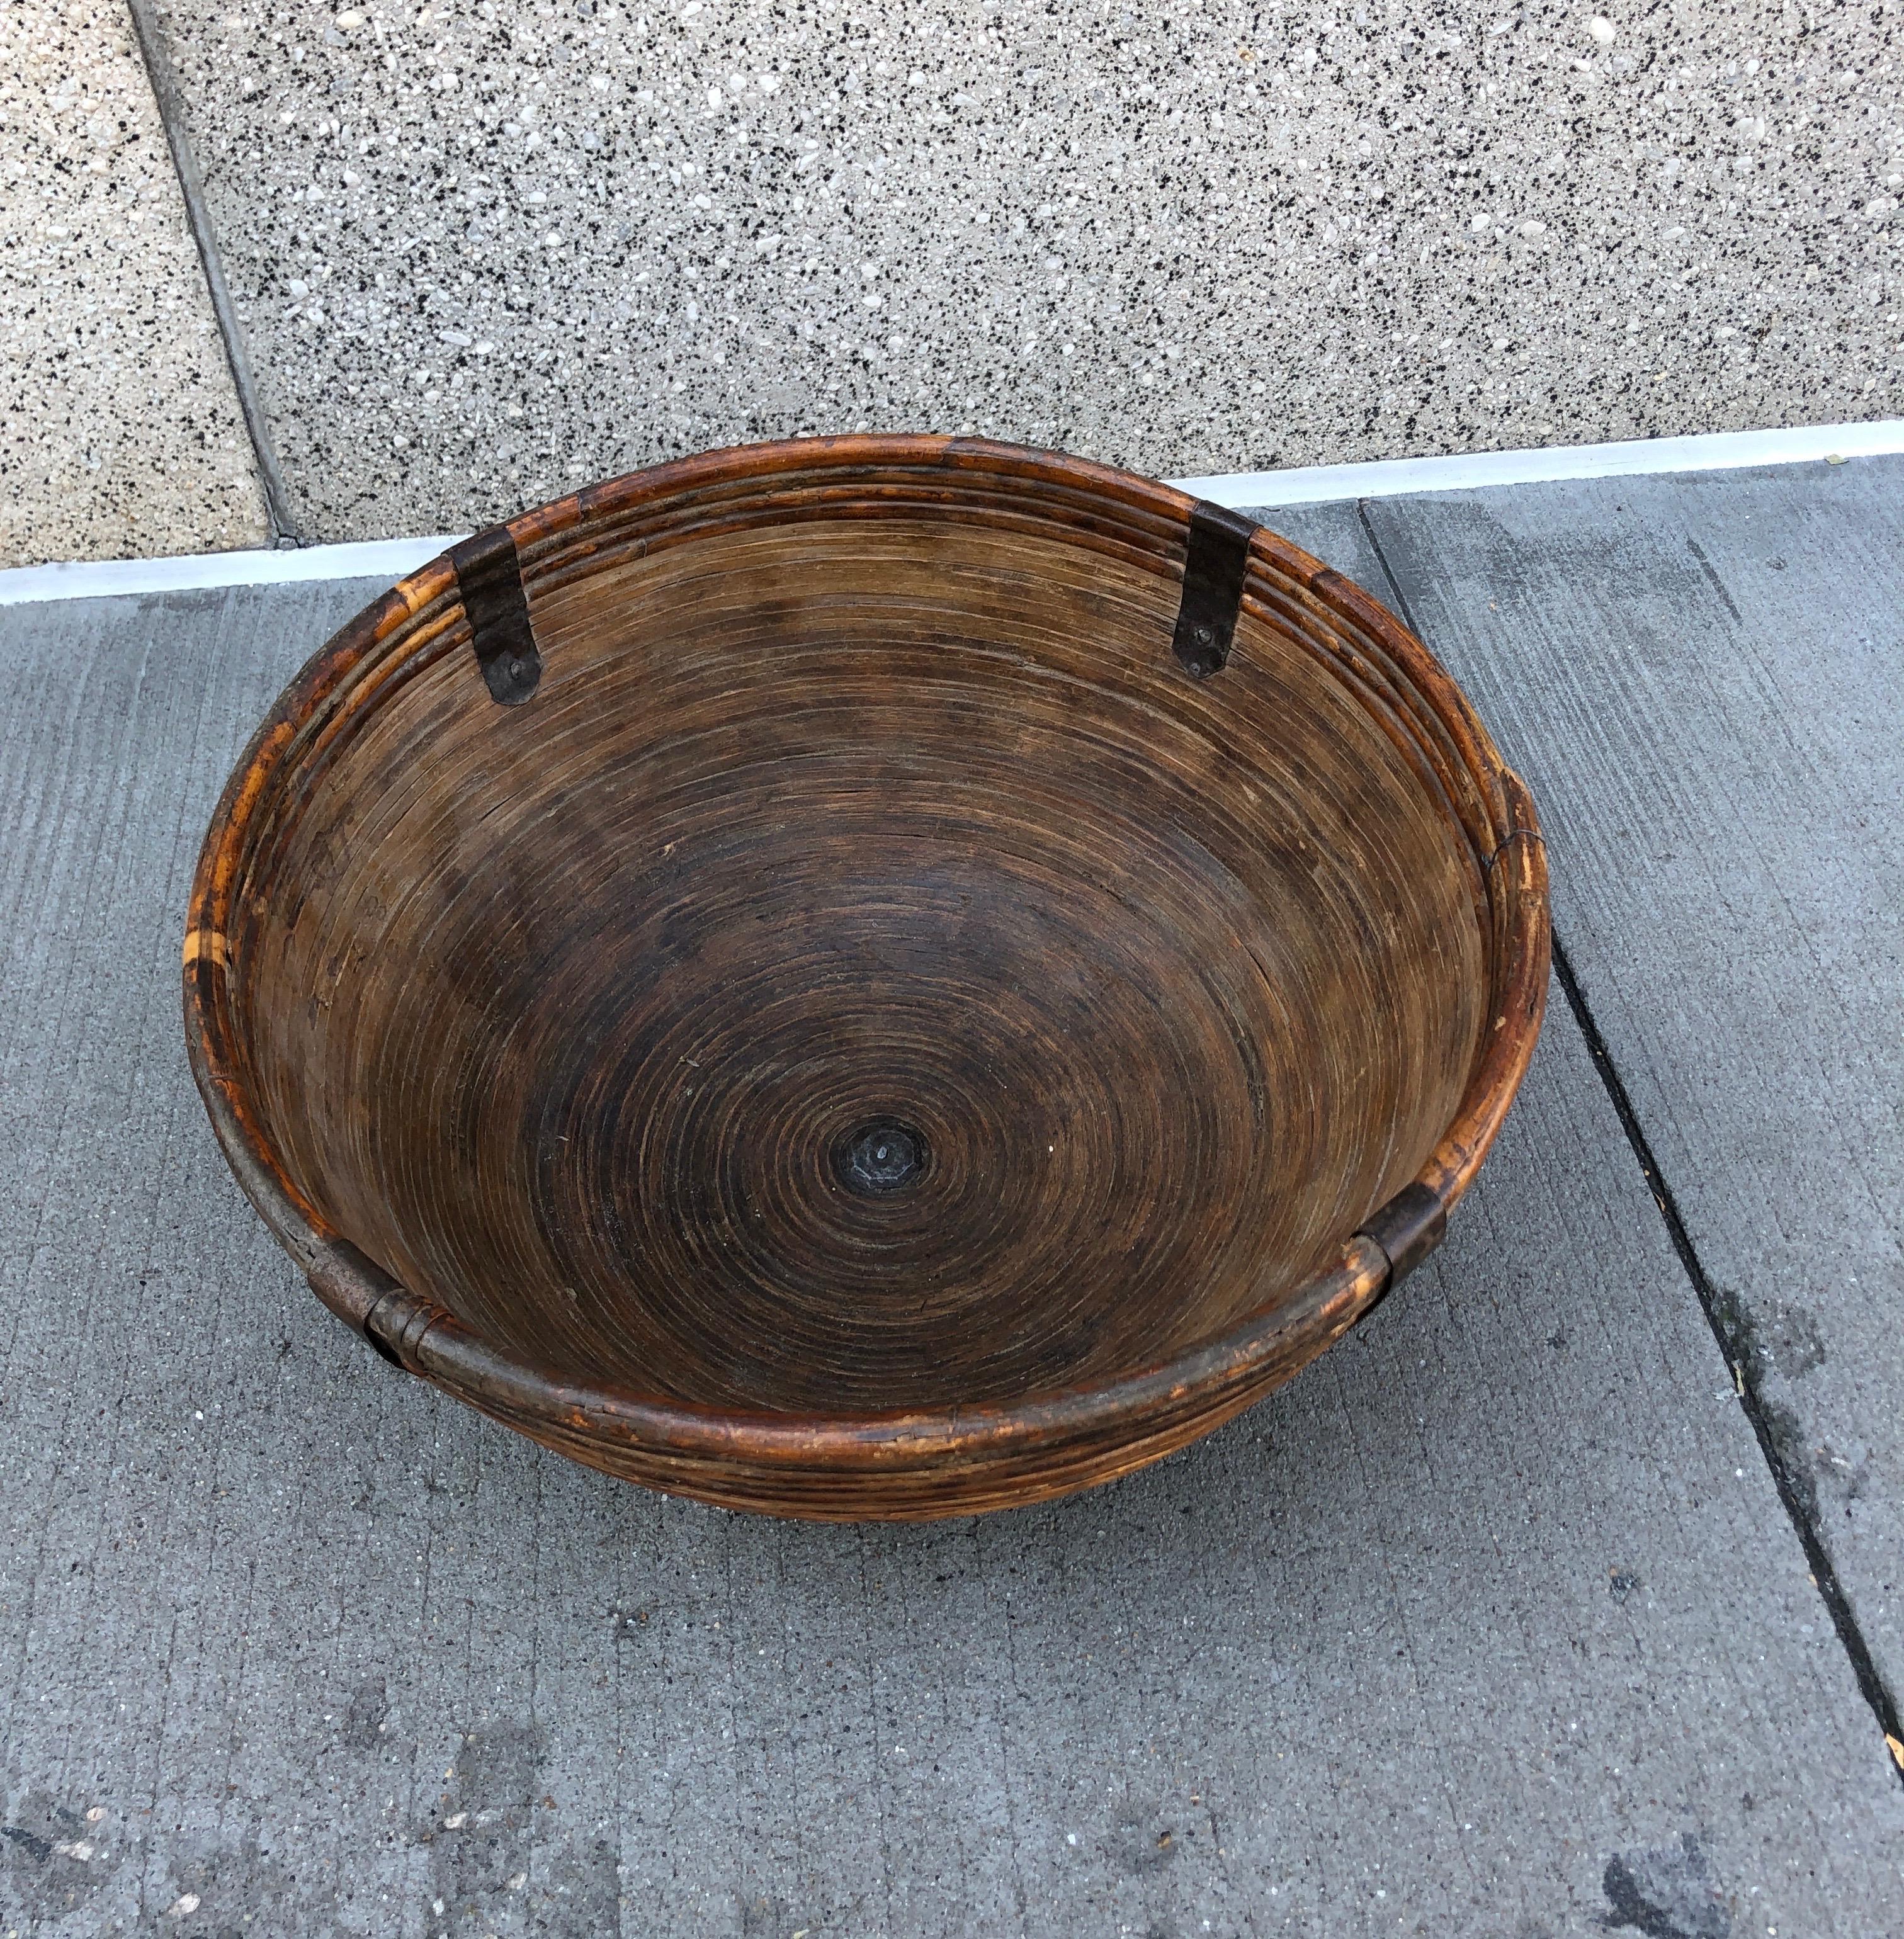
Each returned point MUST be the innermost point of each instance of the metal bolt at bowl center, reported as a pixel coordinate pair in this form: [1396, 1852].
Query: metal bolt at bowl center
[880, 1157]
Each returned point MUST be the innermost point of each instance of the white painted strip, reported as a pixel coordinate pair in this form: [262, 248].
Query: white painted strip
[390, 558]
[1715, 451]
[387, 559]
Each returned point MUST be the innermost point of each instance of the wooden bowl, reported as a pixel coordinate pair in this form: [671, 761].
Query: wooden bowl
[871, 977]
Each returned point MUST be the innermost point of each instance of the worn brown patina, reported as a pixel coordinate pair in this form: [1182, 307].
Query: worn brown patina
[846, 1014]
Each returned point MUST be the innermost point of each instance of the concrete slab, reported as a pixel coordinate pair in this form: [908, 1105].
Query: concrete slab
[120, 431]
[1489, 1626]
[484, 253]
[1703, 680]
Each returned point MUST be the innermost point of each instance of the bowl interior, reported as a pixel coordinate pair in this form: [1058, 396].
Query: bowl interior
[868, 973]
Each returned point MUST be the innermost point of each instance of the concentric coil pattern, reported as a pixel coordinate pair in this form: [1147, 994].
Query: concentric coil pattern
[870, 1034]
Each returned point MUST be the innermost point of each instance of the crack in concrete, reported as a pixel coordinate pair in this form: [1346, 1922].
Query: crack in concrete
[1771, 1424]
[172, 115]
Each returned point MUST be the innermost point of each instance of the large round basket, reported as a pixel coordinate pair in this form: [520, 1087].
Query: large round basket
[872, 977]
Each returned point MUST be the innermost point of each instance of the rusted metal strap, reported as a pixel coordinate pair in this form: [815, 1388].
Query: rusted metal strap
[1214, 566]
[396, 1324]
[489, 579]
[1408, 1228]
[368, 1301]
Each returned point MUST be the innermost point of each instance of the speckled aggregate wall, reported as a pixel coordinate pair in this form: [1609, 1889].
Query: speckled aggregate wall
[485, 251]
[120, 431]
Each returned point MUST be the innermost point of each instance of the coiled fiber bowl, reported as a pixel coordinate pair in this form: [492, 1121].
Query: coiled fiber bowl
[874, 977]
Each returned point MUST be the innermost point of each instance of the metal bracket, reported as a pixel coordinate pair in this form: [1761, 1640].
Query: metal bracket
[1215, 564]
[396, 1324]
[370, 1302]
[489, 579]
[1408, 1228]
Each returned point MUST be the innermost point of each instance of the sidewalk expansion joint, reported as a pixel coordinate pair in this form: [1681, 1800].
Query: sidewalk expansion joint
[172, 114]
[1776, 1434]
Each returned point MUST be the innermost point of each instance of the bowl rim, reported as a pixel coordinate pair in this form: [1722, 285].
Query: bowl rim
[426, 1339]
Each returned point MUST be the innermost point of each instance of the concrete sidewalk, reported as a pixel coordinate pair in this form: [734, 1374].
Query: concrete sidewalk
[1558, 1599]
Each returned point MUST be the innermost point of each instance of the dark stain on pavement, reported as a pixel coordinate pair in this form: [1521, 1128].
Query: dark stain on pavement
[1668, 1893]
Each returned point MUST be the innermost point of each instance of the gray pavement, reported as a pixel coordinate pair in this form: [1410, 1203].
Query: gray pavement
[1492, 1624]
[1703, 679]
